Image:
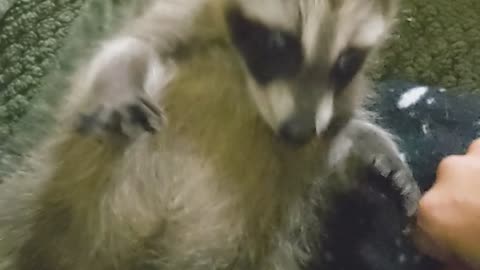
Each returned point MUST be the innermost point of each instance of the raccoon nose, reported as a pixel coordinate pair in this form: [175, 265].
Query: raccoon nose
[296, 132]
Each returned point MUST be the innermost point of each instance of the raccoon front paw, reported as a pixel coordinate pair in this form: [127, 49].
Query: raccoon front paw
[377, 150]
[120, 83]
[125, 120]
[393, 168]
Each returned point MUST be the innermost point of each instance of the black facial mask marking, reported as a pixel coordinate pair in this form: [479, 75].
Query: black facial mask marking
[347, 66]
[268, 53]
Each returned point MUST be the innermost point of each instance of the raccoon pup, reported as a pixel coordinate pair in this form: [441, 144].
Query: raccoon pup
[205, 134]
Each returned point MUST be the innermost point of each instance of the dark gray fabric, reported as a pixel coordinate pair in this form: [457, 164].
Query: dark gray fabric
[365, 230]
[439, 123]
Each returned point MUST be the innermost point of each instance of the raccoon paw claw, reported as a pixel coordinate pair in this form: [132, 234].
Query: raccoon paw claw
[126, 120]
[398, 172]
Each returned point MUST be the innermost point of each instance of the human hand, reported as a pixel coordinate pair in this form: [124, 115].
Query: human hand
[448, 218]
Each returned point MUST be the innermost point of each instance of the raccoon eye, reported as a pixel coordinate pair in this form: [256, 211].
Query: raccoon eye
[268, 53]
[276, 41]
[347, 66]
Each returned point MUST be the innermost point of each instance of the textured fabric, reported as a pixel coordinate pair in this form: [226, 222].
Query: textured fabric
[4, 6]
[31, 33]
[431, 122]
[34, 72]
[436, 43]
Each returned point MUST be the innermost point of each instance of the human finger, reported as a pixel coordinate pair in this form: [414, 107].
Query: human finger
[474, 148]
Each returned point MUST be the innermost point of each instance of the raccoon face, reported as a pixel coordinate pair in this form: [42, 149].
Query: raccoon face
[304, 59]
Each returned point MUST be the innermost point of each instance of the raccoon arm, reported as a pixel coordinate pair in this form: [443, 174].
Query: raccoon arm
[165, 24]
[122, 83]
[375, 146]
[116, 92]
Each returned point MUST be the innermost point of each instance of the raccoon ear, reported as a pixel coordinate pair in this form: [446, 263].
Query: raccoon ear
[377, 27]
[390, 8]
[372, 31]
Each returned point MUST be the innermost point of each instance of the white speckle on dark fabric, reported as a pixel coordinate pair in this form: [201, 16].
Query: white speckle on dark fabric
[411, 97]
[442, 90]
[417, 259]
[402, 258]
[430, 101]
[398, 242]
[425, 129]
[407, 231]
[329, 257]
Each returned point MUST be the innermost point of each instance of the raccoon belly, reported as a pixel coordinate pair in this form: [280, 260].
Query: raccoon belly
[218, 220]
